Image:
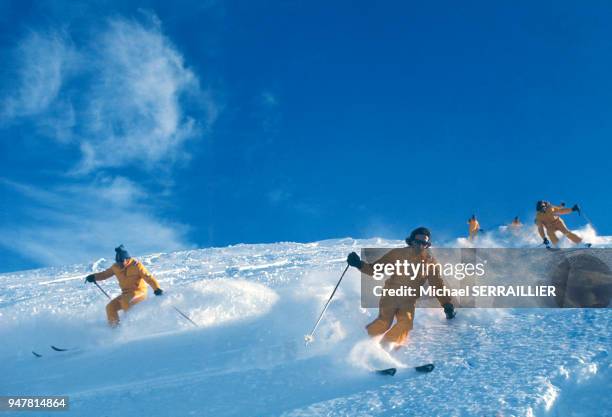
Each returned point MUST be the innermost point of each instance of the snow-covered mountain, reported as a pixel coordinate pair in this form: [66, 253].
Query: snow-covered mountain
[254, 304]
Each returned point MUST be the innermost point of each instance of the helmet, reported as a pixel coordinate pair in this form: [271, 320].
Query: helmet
[121, 254]
[418, 231]
[541, 205]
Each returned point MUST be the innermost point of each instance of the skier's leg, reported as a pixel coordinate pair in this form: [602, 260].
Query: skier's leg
[399, 332]
[552, 236]
[112, 311]
[130, 299]
[380, 325]
[122, 302]
[571, 236]
[135, 298]
[385, 317]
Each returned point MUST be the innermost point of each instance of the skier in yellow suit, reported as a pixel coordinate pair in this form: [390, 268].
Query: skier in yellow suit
[401, 308]
[547, 217]
[132, 277]
[473, 227]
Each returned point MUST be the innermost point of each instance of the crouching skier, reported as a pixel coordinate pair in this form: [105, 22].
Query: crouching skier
[132, 276]
[402, 308]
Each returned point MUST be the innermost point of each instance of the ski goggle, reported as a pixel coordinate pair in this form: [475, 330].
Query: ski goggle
[543, 205]
[421, 240]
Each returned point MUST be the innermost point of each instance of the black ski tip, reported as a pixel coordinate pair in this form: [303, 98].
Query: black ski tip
[389, 371]
[55, 348]
[38, 355]
[425, 368]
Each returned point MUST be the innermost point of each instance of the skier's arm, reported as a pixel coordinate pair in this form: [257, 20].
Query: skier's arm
[101, 276]
[388, 258]
[561, 210]
[148, 277]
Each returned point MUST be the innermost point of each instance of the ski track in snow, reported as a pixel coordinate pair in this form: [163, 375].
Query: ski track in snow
[254, 303]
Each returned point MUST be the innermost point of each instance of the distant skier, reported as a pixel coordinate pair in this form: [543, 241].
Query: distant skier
[132, 276]
[547, 217]
[515, 226]
[402, 308]
[473, 227]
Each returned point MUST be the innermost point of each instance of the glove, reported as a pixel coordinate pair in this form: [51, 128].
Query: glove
[576, 208]
[354, 260]
[546, 241]
[158, 291]
[90, 278]
[449, 310]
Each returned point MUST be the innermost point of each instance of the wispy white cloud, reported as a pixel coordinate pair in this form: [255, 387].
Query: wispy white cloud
[78, 223]
[42, 60]
[120, 97]
[134, 111]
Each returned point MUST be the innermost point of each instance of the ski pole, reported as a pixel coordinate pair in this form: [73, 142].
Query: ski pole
[587, 218]
[309, 337]
[583, 214]
[104, 292]
[185, 316]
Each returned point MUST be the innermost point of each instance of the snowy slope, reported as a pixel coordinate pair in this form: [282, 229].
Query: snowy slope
[254, 303]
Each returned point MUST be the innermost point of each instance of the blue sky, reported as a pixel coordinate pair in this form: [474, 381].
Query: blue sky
[192, 124]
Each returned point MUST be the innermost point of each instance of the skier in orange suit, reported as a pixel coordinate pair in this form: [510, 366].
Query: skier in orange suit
[132, 277]
[402, 308]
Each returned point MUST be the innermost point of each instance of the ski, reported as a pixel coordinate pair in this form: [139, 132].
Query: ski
[55, 348]
[389, 371]
[392, 371]
[58, 349]
[425, 368]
